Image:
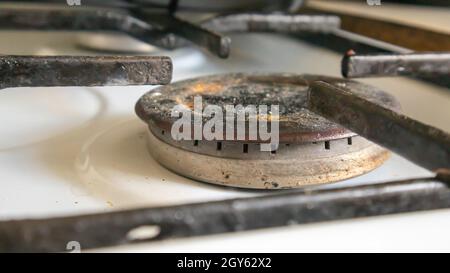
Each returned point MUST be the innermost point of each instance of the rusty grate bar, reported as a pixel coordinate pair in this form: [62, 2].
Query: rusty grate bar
[116, 228]
[278, 23]
[57, 18]
[428, 64]
[423, 144]
[33, 71]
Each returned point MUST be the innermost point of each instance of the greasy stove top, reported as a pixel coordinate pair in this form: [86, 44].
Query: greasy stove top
[87, 151]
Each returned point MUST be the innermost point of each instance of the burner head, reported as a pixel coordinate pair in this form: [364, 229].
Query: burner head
[312, 150]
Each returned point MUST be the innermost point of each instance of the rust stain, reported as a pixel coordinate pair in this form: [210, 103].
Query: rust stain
[203, 87]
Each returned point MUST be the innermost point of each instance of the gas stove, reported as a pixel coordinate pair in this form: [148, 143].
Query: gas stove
[81, 149]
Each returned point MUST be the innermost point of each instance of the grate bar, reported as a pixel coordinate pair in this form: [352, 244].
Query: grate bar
[115, 228]
[34, 71]
[380, 65]
[423, 144]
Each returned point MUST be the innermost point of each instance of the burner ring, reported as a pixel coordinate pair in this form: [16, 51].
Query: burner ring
[264, 170]
[312, 149]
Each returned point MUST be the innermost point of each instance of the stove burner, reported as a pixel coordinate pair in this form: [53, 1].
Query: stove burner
[312, 149]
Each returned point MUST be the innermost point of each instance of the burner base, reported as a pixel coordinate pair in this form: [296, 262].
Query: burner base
[291, 167]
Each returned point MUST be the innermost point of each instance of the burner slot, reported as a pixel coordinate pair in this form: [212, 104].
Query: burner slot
[245, 148]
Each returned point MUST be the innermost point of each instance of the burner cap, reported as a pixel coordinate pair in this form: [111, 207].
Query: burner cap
[312, 149]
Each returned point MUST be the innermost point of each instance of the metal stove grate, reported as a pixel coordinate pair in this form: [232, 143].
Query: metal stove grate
[425, 145]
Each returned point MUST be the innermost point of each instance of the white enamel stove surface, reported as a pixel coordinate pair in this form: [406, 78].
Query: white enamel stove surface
[79, 150]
